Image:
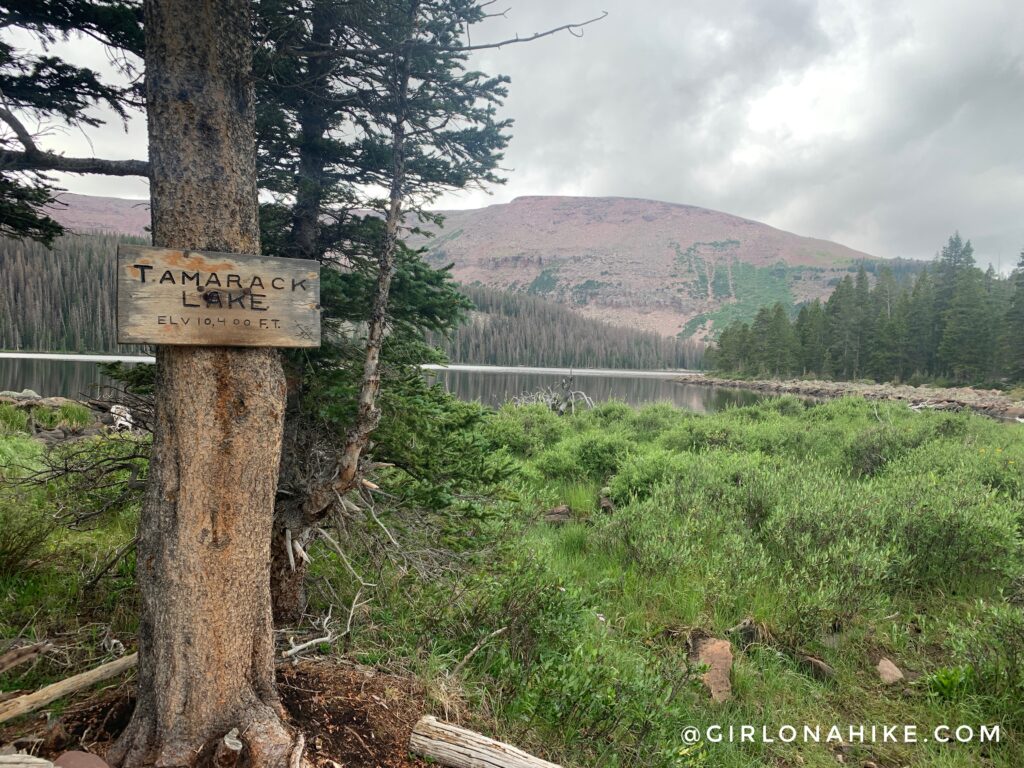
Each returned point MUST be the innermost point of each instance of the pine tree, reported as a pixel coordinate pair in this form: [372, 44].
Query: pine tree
[1013, 326]
[841, 309]
[863, 322]
[963, 350]
[43, 87]
[956, 257]
[812, 335]
[922, 327]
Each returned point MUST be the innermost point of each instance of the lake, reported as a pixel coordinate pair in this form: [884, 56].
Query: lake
[490, 385]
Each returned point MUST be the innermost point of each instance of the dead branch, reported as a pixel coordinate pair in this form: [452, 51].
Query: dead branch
[465, 659]
[16, 656]
[457, 747]
[111, 563]
[35, 159]
[296, 758]
[33, 701]
[573, 29]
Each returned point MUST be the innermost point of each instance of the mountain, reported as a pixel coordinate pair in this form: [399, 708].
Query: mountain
[86, 213]
[658, 266]
[673, 269]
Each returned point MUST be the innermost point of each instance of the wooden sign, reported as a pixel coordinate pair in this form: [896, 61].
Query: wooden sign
[216, 299]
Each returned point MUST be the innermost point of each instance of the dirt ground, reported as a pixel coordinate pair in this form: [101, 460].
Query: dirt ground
[352, 718]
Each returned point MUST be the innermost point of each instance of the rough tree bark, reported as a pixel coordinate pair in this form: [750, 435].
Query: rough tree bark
[205, 634]
[287, 570]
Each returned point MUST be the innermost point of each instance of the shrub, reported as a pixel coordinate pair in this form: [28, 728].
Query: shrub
[949, 537]
[652, 420]
[24, 529]
[991, 643]
[525, 430]
[598, 455]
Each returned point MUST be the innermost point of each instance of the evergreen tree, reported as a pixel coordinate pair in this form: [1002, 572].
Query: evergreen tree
[842, 312]
[863, 322]
[39, 87]
[812, 336]
[1013, 326]
[922, 326]
[956, 257]
[963, 350]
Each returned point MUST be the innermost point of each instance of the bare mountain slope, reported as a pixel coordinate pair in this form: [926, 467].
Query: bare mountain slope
[641, 263]
[86, 213]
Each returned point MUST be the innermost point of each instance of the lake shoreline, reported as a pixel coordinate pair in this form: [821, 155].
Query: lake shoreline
[988, 402]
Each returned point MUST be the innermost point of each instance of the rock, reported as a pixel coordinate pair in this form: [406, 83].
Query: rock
[559, 515]
[888, 672]
[25, 394]
[50, 436]
[56, 402]
[716, 654]
[80, 760]
[818, 668]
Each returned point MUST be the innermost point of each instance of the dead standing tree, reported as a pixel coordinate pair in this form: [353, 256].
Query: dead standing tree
[205, 635]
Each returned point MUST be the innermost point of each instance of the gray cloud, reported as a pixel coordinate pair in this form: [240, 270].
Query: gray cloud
[881, 125]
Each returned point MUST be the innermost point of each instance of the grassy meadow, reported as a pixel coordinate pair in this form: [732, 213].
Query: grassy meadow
[845, 531]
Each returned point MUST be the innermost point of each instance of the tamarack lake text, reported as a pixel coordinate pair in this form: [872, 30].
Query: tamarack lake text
[167, 296]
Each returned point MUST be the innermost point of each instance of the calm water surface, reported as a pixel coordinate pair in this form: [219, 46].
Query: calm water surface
[491, 387]
[497, 388]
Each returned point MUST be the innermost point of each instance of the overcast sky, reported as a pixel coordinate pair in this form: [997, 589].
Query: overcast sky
[881, 125]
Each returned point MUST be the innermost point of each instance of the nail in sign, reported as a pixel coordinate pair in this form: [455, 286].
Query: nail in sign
[166, 296]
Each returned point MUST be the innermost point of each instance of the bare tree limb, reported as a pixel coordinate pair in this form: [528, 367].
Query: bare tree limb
[573, 29]
[35, 159]
[19, 129]
[48, 161]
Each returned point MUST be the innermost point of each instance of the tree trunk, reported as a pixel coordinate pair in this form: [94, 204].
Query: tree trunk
[288, 572]
[205, 634]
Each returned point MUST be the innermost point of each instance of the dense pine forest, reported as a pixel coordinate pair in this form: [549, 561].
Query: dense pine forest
[64, 300]
[953, 322]
[519, 329]
[59, 299]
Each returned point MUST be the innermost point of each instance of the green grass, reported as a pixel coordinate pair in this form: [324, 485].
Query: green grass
[846, 530]
[45, 567]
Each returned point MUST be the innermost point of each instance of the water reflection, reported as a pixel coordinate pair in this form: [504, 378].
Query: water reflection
[52, 378]
[496, 388]
[77, 380]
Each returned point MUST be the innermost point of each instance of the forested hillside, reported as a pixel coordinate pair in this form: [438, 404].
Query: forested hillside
[952, 321]
[518, 329]
[64, 300]
[655, 266]
[61, 299]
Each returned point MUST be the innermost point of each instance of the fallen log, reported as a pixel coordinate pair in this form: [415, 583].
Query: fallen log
[23, 761]
[33, 701]
[456, 747]
[16, 656]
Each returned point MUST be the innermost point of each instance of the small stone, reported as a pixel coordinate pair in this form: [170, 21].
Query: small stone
[75, 759]
[717, 656]
[888, 672]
